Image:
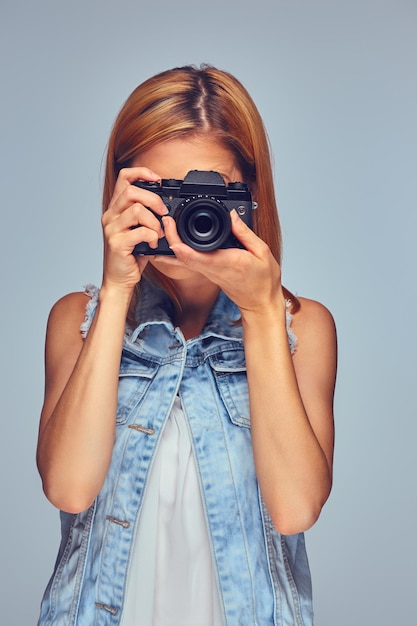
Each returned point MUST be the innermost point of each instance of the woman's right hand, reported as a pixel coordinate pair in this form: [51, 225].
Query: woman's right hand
[130, 207]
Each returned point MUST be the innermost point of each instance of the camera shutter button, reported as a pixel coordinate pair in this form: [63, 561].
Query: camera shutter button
[238, 185]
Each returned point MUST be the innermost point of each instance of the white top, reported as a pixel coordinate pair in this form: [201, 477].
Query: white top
[172, 580]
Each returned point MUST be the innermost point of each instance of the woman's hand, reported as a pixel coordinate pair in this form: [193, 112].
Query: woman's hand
[250, 277]
[130, 207]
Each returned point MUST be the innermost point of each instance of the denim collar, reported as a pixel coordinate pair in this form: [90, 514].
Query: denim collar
[155, 307]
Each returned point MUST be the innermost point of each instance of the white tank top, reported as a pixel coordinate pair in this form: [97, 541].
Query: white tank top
[172, 580]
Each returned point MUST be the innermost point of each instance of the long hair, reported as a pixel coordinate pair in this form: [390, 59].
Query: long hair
[187, 101]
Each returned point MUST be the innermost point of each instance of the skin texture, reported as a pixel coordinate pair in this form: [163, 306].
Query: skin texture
[291, 397]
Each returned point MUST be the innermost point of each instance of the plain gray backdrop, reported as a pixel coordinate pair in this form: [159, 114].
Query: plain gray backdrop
[336, 85]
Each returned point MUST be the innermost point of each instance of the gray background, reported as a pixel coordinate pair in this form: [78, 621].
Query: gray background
[336, 84]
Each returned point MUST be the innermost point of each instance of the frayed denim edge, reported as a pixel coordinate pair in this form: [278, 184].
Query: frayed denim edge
[92, 291]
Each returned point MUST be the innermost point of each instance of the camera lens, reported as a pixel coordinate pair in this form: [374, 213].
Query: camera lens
[203, 223]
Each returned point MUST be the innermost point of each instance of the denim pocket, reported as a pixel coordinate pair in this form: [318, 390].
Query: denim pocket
[229, 370]
[135, 376]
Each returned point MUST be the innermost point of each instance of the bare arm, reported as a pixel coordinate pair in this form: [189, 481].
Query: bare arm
[78, 417]
[291, 398]
[291, 401]
[76, 433]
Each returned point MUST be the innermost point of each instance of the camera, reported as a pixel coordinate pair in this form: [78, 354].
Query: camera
[200, 205]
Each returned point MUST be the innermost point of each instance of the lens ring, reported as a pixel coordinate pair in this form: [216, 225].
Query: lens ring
[203, 223]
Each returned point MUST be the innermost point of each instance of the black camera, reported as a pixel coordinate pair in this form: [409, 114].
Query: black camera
[200, 205]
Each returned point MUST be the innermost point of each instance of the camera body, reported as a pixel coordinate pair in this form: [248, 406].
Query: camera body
[200, 205]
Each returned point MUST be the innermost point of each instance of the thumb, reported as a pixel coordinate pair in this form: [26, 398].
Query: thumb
[242, 231]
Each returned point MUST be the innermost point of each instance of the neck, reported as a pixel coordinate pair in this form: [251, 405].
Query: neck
[196, 300]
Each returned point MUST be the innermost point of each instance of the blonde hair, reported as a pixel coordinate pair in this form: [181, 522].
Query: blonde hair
[187, 101]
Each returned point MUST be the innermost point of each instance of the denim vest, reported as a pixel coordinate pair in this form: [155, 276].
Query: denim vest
[263, 576]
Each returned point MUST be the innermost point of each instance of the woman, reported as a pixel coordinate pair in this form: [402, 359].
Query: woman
[187, 430]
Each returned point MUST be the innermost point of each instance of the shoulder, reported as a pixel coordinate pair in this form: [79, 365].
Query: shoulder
[64, 334]
[69, 310]
[315, 329]
[312, 316]
[315, 359]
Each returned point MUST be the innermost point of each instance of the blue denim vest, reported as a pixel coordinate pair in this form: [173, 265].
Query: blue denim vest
[263, 576]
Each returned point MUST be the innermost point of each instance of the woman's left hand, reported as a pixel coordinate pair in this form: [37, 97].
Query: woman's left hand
[251, 277]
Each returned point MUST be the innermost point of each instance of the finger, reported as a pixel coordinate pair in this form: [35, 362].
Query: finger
[124, 242]
[130, 196]
[187, 254]
[190, 256]
[142, 262]
[126, 193]
[246, 236]
[211, 264]
[128, 231]
[182, 251]
[140, 235]
[126, 177]
[134, 216]
[131, 174]
[170, 230]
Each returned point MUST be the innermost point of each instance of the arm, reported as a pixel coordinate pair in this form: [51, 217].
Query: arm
[291, 398]
[77, 424]
[76, 432]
